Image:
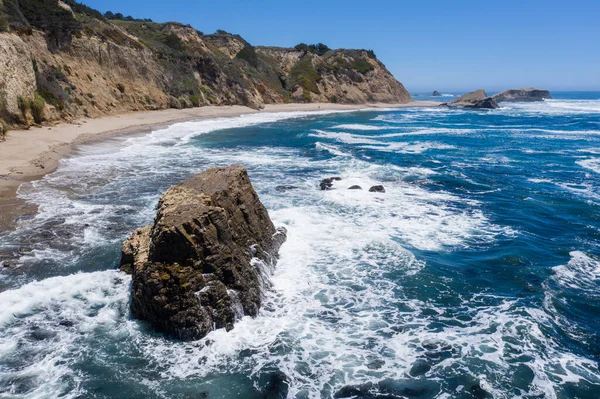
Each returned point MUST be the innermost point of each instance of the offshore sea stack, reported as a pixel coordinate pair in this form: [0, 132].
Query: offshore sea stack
[522, 95]
[474, 99]
[206, 260]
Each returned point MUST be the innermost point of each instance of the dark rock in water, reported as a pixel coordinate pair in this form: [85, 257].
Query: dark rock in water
[327, 184]
[479, 393]
[475, 99]
[66, 323]
[355, 187]
[354, 391]
[276, 385]
[377, 189]
[388, 388]
[191, 270]
[420, 367]
[436, 93]
[522, 95]
[40, 334]
[285, 188]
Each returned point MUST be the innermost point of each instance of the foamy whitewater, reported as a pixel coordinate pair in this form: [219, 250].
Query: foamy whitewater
[475, 275]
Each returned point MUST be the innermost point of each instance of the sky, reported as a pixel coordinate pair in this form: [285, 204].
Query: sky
[445, 45]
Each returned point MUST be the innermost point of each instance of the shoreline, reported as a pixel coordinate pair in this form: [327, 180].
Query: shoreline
[29, 155]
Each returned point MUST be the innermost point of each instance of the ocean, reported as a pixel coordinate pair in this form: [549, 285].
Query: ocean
[475, 275]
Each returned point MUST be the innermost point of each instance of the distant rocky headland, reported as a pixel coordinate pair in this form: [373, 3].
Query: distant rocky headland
[206, 260]
[61, 60]
[480, 99]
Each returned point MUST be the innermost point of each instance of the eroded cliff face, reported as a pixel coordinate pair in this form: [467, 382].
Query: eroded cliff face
[344, 76]
[84, 65]
[206, 260]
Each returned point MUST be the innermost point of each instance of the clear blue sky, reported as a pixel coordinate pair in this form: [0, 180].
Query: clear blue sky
[436, 44]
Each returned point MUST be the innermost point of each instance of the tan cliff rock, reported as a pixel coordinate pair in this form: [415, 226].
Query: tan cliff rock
[17, 77]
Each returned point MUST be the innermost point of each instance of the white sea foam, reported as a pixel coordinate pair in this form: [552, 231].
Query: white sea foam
[552, 107]
[410, 148]
[346, 138]
[536, 180]
[582, 272]
[592, 164]
[377, 142]
[358, 126]
[86, 304]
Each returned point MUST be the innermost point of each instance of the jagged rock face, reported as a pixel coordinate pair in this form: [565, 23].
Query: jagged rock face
[343, 76]
[522, 95]
[17, 77]
[205, 261]
[474, 99]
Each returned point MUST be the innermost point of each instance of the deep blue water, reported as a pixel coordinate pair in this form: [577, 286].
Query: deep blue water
[475, 275]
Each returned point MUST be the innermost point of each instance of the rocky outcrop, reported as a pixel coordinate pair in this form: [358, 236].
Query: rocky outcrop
[327, 184]
[436, 93]
[522, 95]
[377, 189]
[475, 99]
[205, 261]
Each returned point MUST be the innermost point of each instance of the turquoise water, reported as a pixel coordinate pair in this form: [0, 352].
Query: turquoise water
[475, 275]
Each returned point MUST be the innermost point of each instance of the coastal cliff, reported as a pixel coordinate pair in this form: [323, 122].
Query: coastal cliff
[206, 260]
[63, 60]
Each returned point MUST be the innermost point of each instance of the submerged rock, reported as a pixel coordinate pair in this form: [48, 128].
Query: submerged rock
[285, 188]
[436, 93]
[474, 99]
[205, 261]
[327, 184]
[420, 367]
[523, 95]
[377, 189]
[355, 187]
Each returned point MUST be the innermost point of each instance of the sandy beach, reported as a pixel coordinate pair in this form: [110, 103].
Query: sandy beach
[28, 155]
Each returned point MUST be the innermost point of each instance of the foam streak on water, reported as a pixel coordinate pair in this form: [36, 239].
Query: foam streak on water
[474, 275]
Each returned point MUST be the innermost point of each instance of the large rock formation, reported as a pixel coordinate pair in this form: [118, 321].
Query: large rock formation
[522, 95]
[206, 259]
[474, 99]
[436, 93]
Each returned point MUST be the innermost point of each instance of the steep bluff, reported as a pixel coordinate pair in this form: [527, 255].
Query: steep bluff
[206, 260]
[82, 64]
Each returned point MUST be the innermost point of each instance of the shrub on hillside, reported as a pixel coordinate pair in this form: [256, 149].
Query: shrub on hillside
[46, 15]
[83, 9]
[195, 100]
[248, 54]
[173, 41]
[361, 66]
[37, 108]
[304, 75]
[3, 129]
[318, 49]
[121, 87]
[23, 105]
